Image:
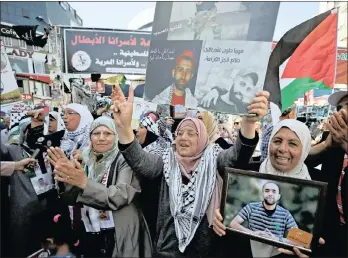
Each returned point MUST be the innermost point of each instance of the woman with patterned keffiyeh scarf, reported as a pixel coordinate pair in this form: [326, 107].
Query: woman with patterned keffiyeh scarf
[190, 175]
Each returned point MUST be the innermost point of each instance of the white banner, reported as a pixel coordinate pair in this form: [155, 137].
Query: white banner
[9, 88]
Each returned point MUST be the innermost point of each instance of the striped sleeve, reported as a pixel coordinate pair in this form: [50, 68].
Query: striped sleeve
[290, 222]
[245, 212]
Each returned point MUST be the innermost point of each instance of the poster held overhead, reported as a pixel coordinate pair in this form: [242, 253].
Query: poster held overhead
[232, 35]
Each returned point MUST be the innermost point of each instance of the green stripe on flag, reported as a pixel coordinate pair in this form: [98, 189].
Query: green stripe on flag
[292, 92]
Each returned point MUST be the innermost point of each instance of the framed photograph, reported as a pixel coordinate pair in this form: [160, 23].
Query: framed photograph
[279, 211]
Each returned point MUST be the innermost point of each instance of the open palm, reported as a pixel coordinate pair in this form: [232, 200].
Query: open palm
[122, 107]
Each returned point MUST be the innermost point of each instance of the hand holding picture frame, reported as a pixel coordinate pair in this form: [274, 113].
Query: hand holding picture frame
[276, 210]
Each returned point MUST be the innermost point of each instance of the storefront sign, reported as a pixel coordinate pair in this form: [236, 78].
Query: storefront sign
[27, 97]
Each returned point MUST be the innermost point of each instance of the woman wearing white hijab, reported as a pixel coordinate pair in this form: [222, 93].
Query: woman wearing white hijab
[77, 120]
[288, 148]
[56, 122]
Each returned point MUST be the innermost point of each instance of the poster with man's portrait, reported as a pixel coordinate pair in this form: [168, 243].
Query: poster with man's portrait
[236, 38]
[273, 211]
[172, 72]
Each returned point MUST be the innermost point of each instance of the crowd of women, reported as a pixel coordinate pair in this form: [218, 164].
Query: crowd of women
[108, 191]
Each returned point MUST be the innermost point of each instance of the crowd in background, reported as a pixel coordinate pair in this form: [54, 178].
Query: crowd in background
[105, 190]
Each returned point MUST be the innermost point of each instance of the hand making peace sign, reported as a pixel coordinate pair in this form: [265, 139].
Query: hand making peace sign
[123, 110]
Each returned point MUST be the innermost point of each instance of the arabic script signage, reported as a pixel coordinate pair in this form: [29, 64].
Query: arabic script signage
[102, 51]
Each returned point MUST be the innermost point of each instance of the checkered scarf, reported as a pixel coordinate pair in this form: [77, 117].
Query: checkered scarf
[19, 120]
[189, 203]
[157, 127]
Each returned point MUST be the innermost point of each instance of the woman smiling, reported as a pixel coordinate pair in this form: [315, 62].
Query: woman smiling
[289, 147]
[190, 177]
[107, 188]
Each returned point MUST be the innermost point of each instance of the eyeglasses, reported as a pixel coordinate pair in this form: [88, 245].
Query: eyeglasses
[70, 113]
[106, 134]
[190, 133]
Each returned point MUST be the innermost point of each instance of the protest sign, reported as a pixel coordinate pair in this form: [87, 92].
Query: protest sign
[9, 88]
[106, 51]
[212, 55]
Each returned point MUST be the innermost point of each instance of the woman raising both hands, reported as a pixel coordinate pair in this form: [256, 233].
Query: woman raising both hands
[191, 179]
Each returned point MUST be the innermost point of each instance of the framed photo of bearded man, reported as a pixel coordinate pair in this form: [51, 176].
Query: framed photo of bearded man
[273, 211]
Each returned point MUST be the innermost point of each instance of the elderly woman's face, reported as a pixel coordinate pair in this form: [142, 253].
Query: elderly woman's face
[285, 150]
[71, 119]
[141, 134]
[186, 141]
[102, 139]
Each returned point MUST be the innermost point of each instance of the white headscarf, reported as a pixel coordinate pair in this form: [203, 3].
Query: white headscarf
[86, 116]
[79, 138]
[303, 133]
[300, 171]
[59, 119]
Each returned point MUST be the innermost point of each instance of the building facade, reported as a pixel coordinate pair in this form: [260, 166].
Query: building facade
[33, 65]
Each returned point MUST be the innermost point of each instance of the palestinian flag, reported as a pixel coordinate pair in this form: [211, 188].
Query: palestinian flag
[303, 59]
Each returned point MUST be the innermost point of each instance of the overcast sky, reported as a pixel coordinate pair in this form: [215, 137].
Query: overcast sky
[117, 15]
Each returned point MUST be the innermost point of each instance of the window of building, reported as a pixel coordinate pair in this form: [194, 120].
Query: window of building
[20, 86]
[39, 67]
[22, 44]
[39, 89]
[7, 41]
[46, 90]
[26, 87]
[19, 65]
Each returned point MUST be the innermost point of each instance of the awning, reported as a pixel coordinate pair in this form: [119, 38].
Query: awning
[35, 77]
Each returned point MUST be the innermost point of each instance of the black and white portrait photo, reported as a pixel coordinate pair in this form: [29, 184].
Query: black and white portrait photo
[235, 99]
[215, 20]
[228, 78]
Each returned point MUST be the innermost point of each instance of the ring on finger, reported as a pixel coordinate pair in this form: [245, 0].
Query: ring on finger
[67, 178]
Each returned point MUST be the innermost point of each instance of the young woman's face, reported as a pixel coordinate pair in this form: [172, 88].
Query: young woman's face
[52, 126]
[102, 139]
[285, 150]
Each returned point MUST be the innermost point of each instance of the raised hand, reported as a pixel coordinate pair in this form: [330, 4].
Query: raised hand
[122, 109]
[259, 106]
